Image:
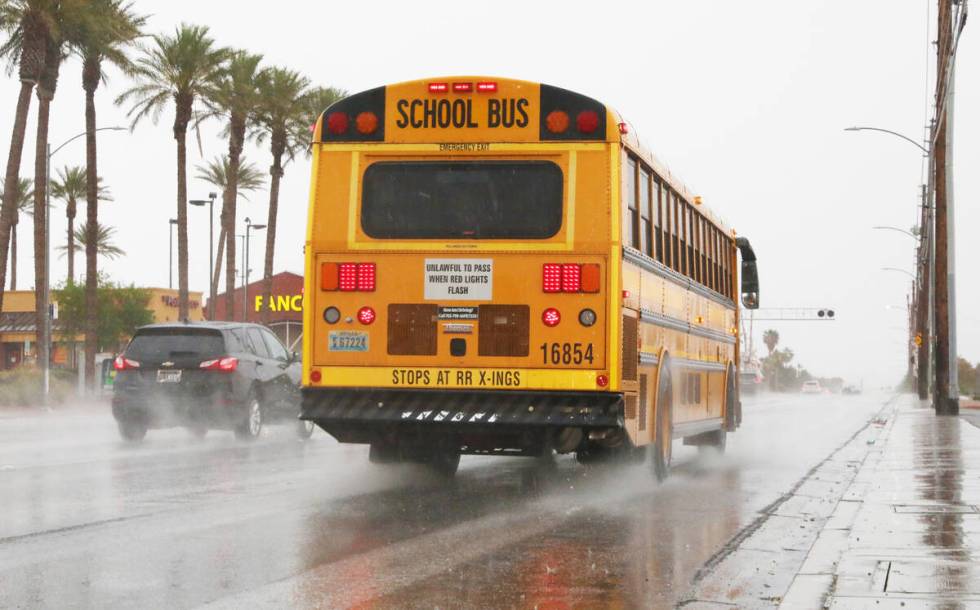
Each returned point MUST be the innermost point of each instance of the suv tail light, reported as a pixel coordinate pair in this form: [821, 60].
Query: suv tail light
[348, 277]
[226, 364]
[570, 277]
[124, 364]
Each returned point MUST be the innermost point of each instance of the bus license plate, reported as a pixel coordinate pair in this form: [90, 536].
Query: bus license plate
[168, 376]
[347, 341]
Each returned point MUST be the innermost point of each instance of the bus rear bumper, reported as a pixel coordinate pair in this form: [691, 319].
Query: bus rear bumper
[368, 415]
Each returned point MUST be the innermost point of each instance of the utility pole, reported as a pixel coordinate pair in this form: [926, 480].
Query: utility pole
[945, 390]
[922, 301]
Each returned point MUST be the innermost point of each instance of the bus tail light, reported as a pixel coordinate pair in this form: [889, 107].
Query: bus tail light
[486, 87]
[551, 317]
[551, 281]
[570, 277]
[602, 380]
[315, 376]
[348, 277]
[438, 87]
[366, 315]
[590, 278]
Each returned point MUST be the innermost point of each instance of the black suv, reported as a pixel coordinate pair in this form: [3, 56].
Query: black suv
[206, 375]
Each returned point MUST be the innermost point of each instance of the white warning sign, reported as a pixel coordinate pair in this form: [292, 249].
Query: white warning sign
[458, 279]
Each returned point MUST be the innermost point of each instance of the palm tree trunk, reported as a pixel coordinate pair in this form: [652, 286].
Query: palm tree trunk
[270, 232]
[71, 242]
[182, 262]
[91, 239]
[40, 220]
[217, 271]
[9, 205]
[13, 257]
[236, 140]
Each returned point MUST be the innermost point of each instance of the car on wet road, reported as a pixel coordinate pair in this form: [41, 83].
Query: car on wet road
[202, 376]
[811, 387]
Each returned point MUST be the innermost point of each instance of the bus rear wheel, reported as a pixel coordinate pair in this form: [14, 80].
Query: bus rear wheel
[661, 448]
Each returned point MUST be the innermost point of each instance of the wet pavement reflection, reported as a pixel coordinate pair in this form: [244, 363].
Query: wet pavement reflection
[88, 521]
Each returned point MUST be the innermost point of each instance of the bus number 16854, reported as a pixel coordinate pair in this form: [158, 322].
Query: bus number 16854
[566, 353]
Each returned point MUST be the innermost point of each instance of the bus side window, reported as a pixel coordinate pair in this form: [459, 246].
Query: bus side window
[696, 244]
[681, 234]
[712, 258]
[718, 256]
[658, 238]
[675, 204]
[646, 231]
[725, 267]
[689, 232]
[632, 220]
[702, 239]
[668, 228]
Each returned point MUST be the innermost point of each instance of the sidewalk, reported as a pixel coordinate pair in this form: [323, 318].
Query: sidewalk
[906, 532]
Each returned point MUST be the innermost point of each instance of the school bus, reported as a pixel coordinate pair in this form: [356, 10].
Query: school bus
[496, 266]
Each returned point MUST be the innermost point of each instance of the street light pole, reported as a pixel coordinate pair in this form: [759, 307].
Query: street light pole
[210, 202]
[248, 228]
[924, 303]
[44, 335]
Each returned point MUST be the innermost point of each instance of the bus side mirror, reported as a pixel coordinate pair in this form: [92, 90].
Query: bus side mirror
[750, 274]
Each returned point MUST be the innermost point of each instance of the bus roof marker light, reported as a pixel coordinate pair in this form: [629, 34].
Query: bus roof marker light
[556, 121]
[587, 121]
[486, 87]
[462, 87]
[551, 317]
[366, 122]
[623, 129]
[337, 123]
[438, 87]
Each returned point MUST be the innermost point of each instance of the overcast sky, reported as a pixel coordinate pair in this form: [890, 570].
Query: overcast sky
[745, 101]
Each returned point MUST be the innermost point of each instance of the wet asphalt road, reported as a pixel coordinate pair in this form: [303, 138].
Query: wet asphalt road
[89, 521]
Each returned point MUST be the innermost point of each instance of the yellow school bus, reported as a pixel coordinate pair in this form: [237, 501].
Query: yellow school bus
[496, 266]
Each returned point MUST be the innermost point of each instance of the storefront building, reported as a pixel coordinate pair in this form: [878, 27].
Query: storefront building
[18, 332]
[283, 312]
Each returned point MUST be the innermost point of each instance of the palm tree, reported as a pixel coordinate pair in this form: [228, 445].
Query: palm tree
[215, 172]
[103, 242]
[181, 69]
[235, 96]
[98, 46]
[283, 115]
[24, 203]
[28, 25]
[70, 186]
[771, 339]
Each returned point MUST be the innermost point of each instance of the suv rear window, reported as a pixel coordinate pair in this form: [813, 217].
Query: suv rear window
[462, 200]
[168, 343]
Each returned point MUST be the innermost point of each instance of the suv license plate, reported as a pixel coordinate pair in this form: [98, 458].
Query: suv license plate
[168, 376]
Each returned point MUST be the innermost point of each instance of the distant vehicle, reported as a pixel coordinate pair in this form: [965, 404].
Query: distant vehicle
[221, 375]
[750, 378]
[851, 389]
[811, 387]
